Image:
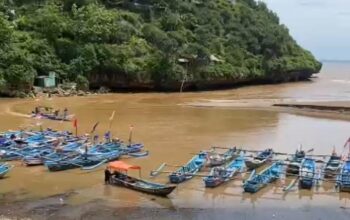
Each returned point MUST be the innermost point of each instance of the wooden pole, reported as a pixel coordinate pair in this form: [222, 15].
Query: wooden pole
[111, 119]
[130, 135]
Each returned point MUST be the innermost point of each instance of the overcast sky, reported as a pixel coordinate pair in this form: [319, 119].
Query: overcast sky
[321, 26]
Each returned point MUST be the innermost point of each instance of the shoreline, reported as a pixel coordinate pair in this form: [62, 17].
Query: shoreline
[344, 108]
[337, 110]
[55, 207]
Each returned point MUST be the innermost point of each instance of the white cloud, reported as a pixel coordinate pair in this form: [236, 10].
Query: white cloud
[322, 26]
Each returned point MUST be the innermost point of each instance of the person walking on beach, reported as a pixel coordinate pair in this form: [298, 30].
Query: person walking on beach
[107, 176]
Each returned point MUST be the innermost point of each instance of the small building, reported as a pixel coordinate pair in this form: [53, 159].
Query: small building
[46, 81]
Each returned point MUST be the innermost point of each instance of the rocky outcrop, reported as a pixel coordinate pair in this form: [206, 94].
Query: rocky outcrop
[116, 82]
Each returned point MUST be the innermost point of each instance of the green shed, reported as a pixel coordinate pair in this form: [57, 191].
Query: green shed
[46, 81]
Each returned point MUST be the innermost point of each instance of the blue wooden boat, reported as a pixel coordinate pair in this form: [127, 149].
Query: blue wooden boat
[333, 166]
[4, 169]
[124, 149]
[294, 163]
[307, 173]
[36, 159]
[343, 179]
[82, 160]
[259, 160]
[257, 181]
[219, 175]
[190, 169]
[216, 159]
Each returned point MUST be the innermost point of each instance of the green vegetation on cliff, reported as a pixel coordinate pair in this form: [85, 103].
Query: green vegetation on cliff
[154, 43]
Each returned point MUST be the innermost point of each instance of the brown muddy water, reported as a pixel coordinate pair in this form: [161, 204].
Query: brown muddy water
[175, 126]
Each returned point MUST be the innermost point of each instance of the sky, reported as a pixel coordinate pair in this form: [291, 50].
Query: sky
[321, 26]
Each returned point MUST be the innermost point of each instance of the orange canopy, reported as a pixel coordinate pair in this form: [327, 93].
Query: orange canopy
[120, 165]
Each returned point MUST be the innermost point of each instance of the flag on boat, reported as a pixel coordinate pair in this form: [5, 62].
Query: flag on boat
[94, 128]
[112, 116]
[344, 157]
[309, 151]
[347, 142]
[75, 123]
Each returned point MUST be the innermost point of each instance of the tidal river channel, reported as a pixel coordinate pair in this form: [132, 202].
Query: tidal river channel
[175, 126]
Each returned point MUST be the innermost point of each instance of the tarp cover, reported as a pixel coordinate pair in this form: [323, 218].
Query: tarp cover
[120, 165]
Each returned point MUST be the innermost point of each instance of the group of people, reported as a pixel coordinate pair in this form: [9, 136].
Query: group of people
[37, 111]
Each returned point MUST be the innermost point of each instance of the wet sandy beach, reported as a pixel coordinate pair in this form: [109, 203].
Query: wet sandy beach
[173, 127]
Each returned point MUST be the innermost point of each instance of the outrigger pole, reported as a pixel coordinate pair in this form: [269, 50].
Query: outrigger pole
[130, 135]
[75, 125]
[111, 120]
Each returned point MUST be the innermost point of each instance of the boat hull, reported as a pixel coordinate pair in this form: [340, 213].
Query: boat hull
[307, 173]
[191, 168]
[212, 182]
[292, 170]
[4, 170]
[259, 181]
[66, 165]
[331, 173]
[143, 186]
[179, 177]
[344, 188]
[33, 162]
[253, 165]
[259, 160]
[343, 179]
[306, 184]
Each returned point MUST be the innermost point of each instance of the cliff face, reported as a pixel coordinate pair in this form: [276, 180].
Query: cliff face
[148, 44]
[116, 83]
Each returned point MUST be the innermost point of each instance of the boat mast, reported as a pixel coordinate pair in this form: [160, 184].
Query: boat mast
[130, 134]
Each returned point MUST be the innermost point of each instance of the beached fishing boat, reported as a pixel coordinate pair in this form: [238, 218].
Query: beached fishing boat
[33, 160]
[53, 117]
[187, 171]
[333, 166]
[48, 113]
[294, 163]
[81, 161]
[343, 179]
[216, 159]
[219, 175]
[257, 181]
[307, 173]
[119, 177]
[260, 159]
[4, 169]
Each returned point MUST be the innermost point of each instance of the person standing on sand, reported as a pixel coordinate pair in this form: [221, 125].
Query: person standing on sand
[56, 112]
[107, 176]
[65, 112]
